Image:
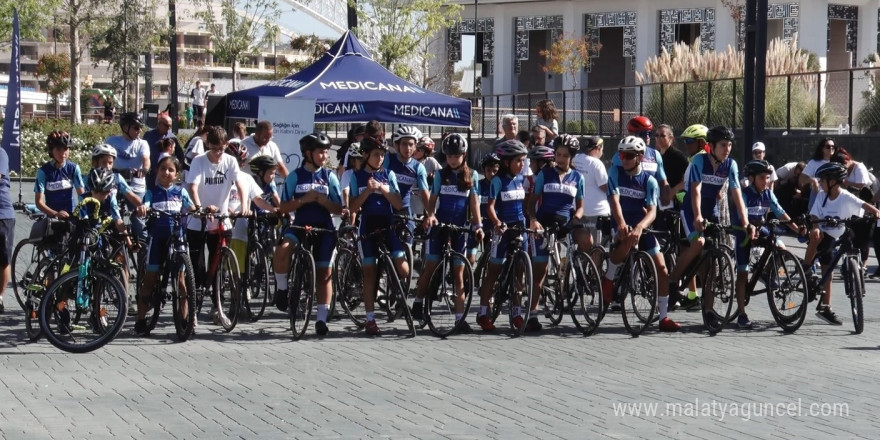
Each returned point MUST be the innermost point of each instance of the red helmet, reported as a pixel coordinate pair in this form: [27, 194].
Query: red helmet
[639, 124]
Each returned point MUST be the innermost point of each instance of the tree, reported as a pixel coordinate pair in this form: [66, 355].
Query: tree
[33, 17]
[401, 27]
[568, 55]
[83, 18]
[239, 28]
[311, 46]
[54, 69]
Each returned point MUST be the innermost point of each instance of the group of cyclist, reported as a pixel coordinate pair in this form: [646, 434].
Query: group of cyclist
[523, 191]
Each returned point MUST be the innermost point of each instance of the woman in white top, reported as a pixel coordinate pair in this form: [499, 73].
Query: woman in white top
[547, 119]
[588, 163]
[824, 150]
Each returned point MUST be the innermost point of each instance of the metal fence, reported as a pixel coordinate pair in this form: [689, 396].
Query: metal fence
[840, 101]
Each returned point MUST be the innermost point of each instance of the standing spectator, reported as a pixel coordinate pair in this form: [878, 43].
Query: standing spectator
[260, 144]
[788, 189]
[759, 152]
[675, 162]
[354, 135]
[189, 115]
[821, 155]
[539, 137]
[588, 162]
[7, 225]
[239, 130]
[109, 110]
[213, 90]
[509, 128]
[155, 136]
[198, 101]
[547, 119]
[132, 162]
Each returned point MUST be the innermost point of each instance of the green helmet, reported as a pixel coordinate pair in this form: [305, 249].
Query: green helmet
[695, 131]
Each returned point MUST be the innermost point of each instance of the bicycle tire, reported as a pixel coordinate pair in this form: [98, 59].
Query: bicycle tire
[302, 293]
[640, 294]
[480, 269]
[440, 305]
[183, 325]
[395, 290]
[599, 255]
[520, 301]
[855, 287]
[552, 295]
[157, 295]
[227, 285]
[256, 281]
[407, 283]
[25, 259]
[787, 292]
[718, 291]
[351, 289]
[66, 332]
[584, 286]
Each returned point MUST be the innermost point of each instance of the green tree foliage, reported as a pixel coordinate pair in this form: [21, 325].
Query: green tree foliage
[55, 70]
[83, 19]
[33, 15]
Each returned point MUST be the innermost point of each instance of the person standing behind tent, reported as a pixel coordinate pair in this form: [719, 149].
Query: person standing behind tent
[198, 101]
[260, 144]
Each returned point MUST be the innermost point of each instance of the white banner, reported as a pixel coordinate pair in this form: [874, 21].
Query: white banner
[291, 120]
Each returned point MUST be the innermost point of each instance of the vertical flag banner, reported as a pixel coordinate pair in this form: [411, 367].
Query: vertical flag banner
[12, 123]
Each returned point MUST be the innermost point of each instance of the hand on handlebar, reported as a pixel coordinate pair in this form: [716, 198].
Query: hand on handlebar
[63, 215]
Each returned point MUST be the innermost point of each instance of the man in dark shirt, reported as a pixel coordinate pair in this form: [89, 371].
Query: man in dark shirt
[675, 162]
[162, 131]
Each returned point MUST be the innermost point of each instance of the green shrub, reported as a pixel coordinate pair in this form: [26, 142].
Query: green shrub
[583, 127]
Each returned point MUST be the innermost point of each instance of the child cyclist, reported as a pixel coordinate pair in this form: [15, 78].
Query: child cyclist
[312, 191]
[505, 208]
[411, 175]
[759, 200]
[831, 201]
[263, 169]
[489, 165]
[374, 191]
[454, 199]
[355, 163]
[703, 182]
[58, 179]
[167, 197]
[103, 156]
[560, 191]
[633, 194]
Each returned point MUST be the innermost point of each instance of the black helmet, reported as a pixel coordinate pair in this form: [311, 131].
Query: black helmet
[58, 139]
[130, 118]
[567, 141]
[260, 164]
[314, 140]
[101, 180]
[832, 170]
[454, 144]
[369, 144]
[511, 148]
[489, 160]
[591, 143]
[754, 167]
[719, 133]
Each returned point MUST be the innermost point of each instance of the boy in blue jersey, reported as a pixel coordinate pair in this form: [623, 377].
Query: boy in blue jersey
[313, 192]
[560, 191]
[704, 180]
[411, 176]
[58, 179]
[505, 208]
[652, 161]
[489, 165]
[374, 191]
[263, 169]
[103, 156]
[634, 195]
[454, 199]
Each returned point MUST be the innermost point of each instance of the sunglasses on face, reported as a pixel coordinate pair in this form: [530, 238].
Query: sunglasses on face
[627, 155]
[829, 147]
[645, 134]
[688, 141]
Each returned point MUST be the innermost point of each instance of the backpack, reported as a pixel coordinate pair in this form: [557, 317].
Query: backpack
[192, 93]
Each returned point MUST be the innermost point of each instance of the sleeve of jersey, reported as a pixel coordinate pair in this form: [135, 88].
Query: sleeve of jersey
[775, 208]
[695, 174]
[494, 188]
[78, 178]
[422, 178]
[40, 182]
[335, 191]
[352, 188]
[615, 161]
[539, 184]
[122, 185]
[661, 173]
[194, 175]
[148, 198]
[436, 184]
[475, 190]
[581, 188]
[612, 181]
[733, 177]
[289, 187]
[114, 209]
[652, 192]
[392, 183]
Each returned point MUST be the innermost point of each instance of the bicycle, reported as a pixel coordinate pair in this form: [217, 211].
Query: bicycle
[257, 278]
[635, 289]
[514, 284]
[84, 309]
[439, 308]
[301, 279]
[348, 276]
[178, 268]
[223, 273]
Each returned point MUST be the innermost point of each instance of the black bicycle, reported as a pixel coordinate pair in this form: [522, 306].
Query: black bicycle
[301, 279]
[514, 284]
[446, 296]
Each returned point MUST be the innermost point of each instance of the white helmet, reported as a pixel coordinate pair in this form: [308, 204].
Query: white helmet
[102, 149]
[407, 131]
[632, 144]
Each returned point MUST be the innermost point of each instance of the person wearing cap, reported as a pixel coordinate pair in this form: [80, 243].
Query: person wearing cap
[759, 152]
[132, 162]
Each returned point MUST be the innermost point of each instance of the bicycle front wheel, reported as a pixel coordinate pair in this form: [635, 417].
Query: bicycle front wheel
[855, 289]
[445, 293]
[183, 296]
[301, 280]
[350, 286]
[395, 290]
[257, 285]
[718, 290]
[520, 291]
[25, 259]
[552, 291]
[640, 294]
[583, 287]
[227, 287]
[78, 329]
[786, 290]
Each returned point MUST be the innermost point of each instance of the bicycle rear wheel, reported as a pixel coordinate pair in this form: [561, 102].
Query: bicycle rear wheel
[600, 258]
[183, 299]
[640, 294]
[786, 290]
[256, 281]
[350, 286]
[227, 287]
[302, 292]
[440, 304]
[552, 294]
[520, 290]
[718, 290]
[157, 295]
[25, 259]
[855, 289]
[583, 287]
[81, 330]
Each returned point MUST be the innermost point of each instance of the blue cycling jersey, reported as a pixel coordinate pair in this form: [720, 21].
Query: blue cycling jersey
[558, 194]
[452, 202]
[652, 163]
[711, 180]
[170, 200]
[634, 193]
[58, 184]
[109, 207]
[483, 192]
[300, 182]
[376, 204]
[409, 175]
[757, 205]
[509, 195]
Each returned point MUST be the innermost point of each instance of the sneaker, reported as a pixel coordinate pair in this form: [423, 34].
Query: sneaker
[691, 304]
[281, 300]
[418, 310]
[533, 325]
[668, 325]
[321, 328]
[221, 319]
[875, 274]
[371, 328]
[615, 306]
[140, 327]
[826, 314]
[675, 297]
[485, 323]
[607, 290]
[518, 322]
[743, 322]
[463, 328]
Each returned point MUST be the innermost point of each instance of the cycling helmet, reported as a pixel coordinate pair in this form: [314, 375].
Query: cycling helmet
[719, 133]
[632, 144]
[541, 152]
[260, 164]
[639, 124]
[314, 140]
[354, 151]
[696, 131]
[832, 170]
[591, 143]
[130, 118]
[427, 144]
[511, 148]
[58, 139]
[101, 180]
[754, 167]
[236, 149]
[369, 144]
[407, 131]
[102, 149]
[567, 141]
[489, 160]
[454, 144]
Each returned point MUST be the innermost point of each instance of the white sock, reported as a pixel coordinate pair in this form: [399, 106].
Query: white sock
[484, 310]
[458, 316]
[663, 305]
[612, 270]
[322, 312]
[281, 281]
[370, 317]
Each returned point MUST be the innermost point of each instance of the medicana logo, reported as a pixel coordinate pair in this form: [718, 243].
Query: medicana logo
[370, 85]
[428, 111]
[339, 108]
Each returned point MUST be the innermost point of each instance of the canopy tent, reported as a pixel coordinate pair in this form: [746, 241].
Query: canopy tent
[349, 86]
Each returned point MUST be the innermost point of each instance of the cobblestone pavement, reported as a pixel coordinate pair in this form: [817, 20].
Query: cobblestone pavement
[256, 382]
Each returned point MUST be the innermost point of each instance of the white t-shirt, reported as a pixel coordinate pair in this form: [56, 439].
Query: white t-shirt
[431, 166]
[214, 181]
[345, 180]
[194, 147]
[595, 175]
[553, 125]
[249, 185]
[199, 97]
[130, 154]
[785, 171]
[270, 149]
[859, 175]
[843, 207]
[812, 166]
